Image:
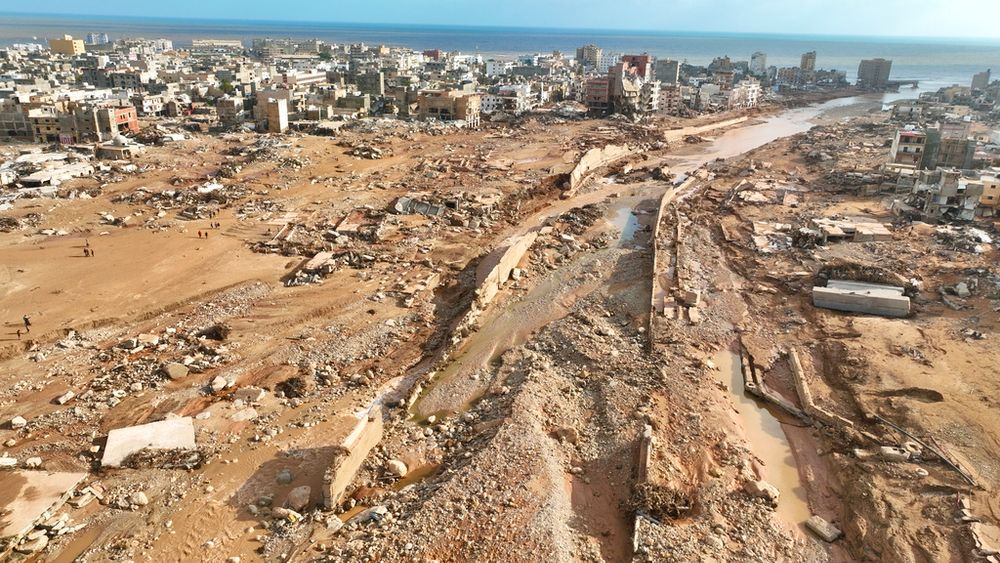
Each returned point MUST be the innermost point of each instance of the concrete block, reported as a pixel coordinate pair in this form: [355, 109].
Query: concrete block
[825, 530]
[173, 433]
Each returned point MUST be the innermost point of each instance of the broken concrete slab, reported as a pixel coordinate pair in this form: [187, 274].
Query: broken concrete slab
[174, 433]
[825, 530]
[28, 496]
[857, 297]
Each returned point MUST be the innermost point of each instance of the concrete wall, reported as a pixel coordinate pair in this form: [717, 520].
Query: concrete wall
[882, 303]
[592, 160]
[495, 269]
[354, 449]
[678, 134]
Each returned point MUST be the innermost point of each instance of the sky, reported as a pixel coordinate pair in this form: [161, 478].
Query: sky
[909, 18]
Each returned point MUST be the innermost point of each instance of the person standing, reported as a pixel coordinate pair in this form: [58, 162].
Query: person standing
[27, 323]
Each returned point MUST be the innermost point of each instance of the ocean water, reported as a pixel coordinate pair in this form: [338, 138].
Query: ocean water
[935, 62]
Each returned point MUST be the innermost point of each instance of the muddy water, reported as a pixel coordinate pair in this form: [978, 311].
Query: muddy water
[767, 441]
[792, 122]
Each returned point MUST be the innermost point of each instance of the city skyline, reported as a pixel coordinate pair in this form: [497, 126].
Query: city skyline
[937, 19]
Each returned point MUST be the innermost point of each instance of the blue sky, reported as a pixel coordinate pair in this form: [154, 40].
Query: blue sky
[938, 18]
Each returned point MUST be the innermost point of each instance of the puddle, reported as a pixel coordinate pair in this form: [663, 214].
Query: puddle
[767, 441]
[626, 222]
[416, 475]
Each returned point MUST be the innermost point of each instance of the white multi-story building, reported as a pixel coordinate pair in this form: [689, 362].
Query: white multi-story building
[745, 94]
[498, 68]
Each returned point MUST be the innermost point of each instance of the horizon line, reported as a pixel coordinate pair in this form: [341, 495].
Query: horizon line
[992, 40]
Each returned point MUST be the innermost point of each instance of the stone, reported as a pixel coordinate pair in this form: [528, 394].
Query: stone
[18, 422]
[33, 546]
[396, 467]
[249, 394]
[892, 453]
[175, 371]
[298, 498]
[82, 500]
[33, 462]
[285, 476]
[7, 462]
[244, 415]
[375, 513]
[764, 490]
[65, 398]
[715, 542]
[334, 523]
[218, 384]
[962, 290]
[825, 530]
[139, 498]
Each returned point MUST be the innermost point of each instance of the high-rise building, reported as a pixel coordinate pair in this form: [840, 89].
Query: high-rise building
[873, 74]
[758, 63]
[667, 71]
[643, 65]
[808, 62]
[981, 80]
[589, 55]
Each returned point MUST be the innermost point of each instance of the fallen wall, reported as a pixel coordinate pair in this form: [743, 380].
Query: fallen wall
[593, 159]
[353, 451]
[496, 268]
[874, 302]
[678, 134]
[806, 397]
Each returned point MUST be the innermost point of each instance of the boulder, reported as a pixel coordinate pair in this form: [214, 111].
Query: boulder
[138, 498]
[219, 383]
[764, 490]
[33, 462]
[175, 371]
[18, 422]
[396, 467]
[298, 498]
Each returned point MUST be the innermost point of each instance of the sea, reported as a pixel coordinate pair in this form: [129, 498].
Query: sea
[935, 62]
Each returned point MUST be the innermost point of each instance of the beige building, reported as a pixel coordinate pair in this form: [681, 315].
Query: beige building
[67, 46]
[277, 115]
[449, 105]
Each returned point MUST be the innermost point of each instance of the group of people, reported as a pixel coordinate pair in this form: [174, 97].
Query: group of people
[87, 251]
[204, 234]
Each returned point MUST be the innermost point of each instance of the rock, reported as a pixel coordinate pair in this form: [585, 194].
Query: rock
[298, 498]
[962, 290]
[233, 559]
[287, 514]
[375, 513]
[568, 434]
[825, 530]
[7, 462]
[396, 467]
[65, 398]
[33, 546]
[249, 394]
[244, 415]
[892, 453]
[18, 422]
[175, 371]
[285, 476]
[715, 542]
[334, 523]
[33, 462]
[138, 498]
[764, 490]
[219, 383]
